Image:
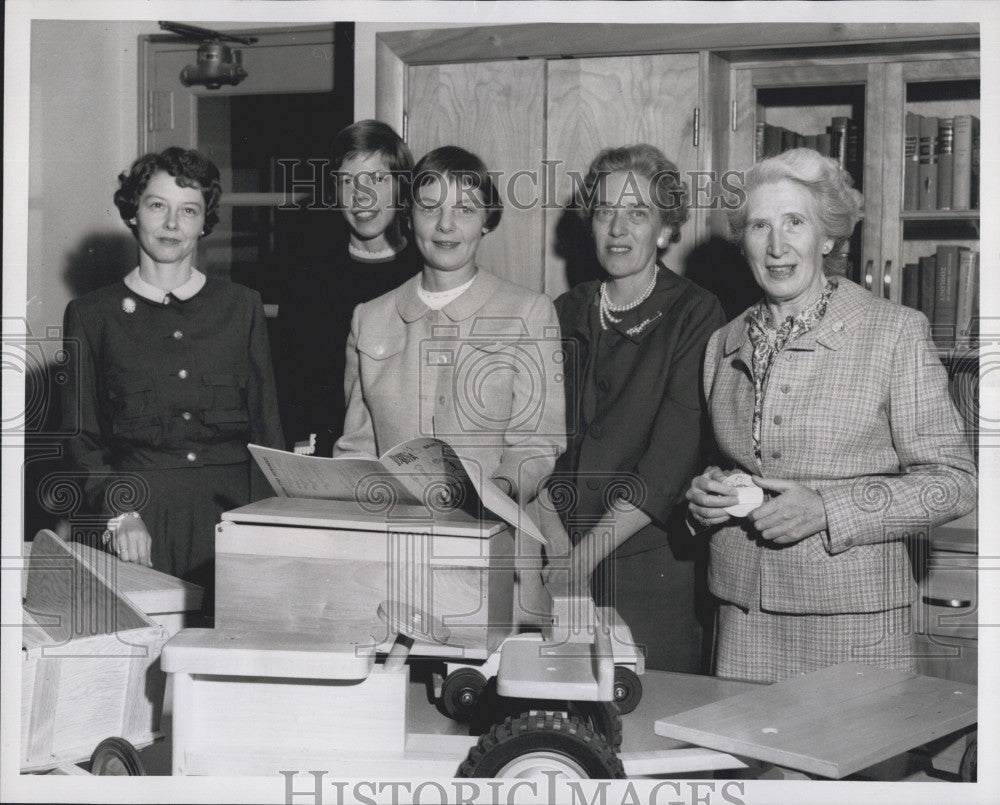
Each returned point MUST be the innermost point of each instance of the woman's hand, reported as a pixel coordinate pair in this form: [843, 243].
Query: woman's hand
[130, 540]
[708, 497]
[796, 512]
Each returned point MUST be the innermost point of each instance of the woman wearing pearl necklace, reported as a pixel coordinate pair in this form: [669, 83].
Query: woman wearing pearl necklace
[638, 337]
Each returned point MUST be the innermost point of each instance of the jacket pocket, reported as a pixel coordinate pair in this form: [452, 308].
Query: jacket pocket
[225, 411]
[224, 392]
[134, 415]
[379, 346]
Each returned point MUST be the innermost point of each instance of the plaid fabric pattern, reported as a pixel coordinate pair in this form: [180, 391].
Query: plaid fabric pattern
[760, 646]
[769, 340]
[858, 409]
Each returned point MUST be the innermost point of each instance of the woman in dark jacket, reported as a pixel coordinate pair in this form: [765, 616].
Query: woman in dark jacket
[174, 379]
[633, 393]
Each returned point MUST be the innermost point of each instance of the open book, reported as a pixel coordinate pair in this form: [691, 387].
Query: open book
[423, 471]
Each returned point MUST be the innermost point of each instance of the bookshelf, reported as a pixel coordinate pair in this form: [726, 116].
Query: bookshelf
[806, 97]
[877, 91]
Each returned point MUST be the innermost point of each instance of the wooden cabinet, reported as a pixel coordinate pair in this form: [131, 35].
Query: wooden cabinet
[496, 110]
[875, 91]
[525, 96]
[538, 123]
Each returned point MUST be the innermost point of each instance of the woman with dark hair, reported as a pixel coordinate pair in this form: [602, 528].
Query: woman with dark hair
[370, 255]
[174, 378]
[833, 402]
[633, 387]
[456, 352]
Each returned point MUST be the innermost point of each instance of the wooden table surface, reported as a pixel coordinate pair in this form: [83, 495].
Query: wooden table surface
[832, 722]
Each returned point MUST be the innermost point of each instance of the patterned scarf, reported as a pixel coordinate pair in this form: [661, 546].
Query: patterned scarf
[768, 341]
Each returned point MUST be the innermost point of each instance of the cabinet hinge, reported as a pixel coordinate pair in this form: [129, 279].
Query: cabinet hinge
[405, 134]
[697, 127]
[732, 117]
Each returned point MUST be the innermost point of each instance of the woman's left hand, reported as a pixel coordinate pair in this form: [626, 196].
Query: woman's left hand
[795, 513]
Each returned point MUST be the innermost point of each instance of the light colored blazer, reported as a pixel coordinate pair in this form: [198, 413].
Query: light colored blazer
[482, 373]
[858, 409]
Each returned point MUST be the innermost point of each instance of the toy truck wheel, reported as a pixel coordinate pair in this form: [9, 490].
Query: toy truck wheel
[603, 718]
[116, 757]
[628, 689]
[461, 692]
[967, 769]
[535, 743]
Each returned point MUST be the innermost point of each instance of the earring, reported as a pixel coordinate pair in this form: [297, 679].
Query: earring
[661, 243]
[132, 221]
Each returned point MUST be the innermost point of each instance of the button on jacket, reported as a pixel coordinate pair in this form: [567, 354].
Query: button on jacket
[857, 409]
[172, 393]
[483, 374]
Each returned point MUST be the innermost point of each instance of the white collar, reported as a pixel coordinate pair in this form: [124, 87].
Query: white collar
[137, 285]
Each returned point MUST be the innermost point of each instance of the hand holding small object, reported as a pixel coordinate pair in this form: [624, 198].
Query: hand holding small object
[794, 513]
[709, 497]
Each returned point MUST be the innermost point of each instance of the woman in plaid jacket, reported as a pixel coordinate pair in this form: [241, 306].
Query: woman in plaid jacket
[836, 405]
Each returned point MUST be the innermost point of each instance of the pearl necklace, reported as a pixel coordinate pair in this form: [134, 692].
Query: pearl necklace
[608, 308]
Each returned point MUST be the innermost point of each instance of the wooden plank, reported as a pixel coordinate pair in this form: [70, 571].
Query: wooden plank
[149, 590]
[596, 103]
[244, 714]
[390, 86]
[68, 598]
[599, 39]
[340, 655]
[44, 695]
[346, 514]
[832, 722]
[494, 109]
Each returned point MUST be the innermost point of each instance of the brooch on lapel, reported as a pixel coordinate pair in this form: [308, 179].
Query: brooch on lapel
[128, 304]
[642, 325]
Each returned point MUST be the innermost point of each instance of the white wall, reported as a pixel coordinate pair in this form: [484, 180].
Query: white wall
[82, 133]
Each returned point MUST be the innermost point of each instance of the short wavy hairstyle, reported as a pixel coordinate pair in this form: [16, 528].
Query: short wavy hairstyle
[838, 205]
[189, 169]
[450, 162]
[374, 137]
[667, 191]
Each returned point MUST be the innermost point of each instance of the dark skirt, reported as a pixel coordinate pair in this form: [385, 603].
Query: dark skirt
[185, 504]
[658, 596]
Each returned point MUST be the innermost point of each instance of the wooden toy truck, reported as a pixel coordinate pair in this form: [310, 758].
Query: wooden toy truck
[91, 683]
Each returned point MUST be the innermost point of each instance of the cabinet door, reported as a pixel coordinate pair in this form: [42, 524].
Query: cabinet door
[596, 103]
[785, 105]
[494, 109]
[937, 88]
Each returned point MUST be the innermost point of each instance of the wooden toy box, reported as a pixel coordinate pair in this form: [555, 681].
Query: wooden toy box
[306, 566]
[90, 655]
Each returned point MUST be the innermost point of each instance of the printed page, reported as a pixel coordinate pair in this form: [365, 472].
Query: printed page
[428, 461]
[344, 478]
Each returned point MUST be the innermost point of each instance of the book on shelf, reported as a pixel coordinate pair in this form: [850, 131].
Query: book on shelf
[789, 140]
[853, 152]
[967, 304]
[946, 161]
[772, 140]
[961, 184]
[911, 168]
[946, 294]
[974, 181]
[927, 186]
[910, 294]
[758, 141]
[927, 270]
[420, 472]
[838, 139]
[823, 143]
